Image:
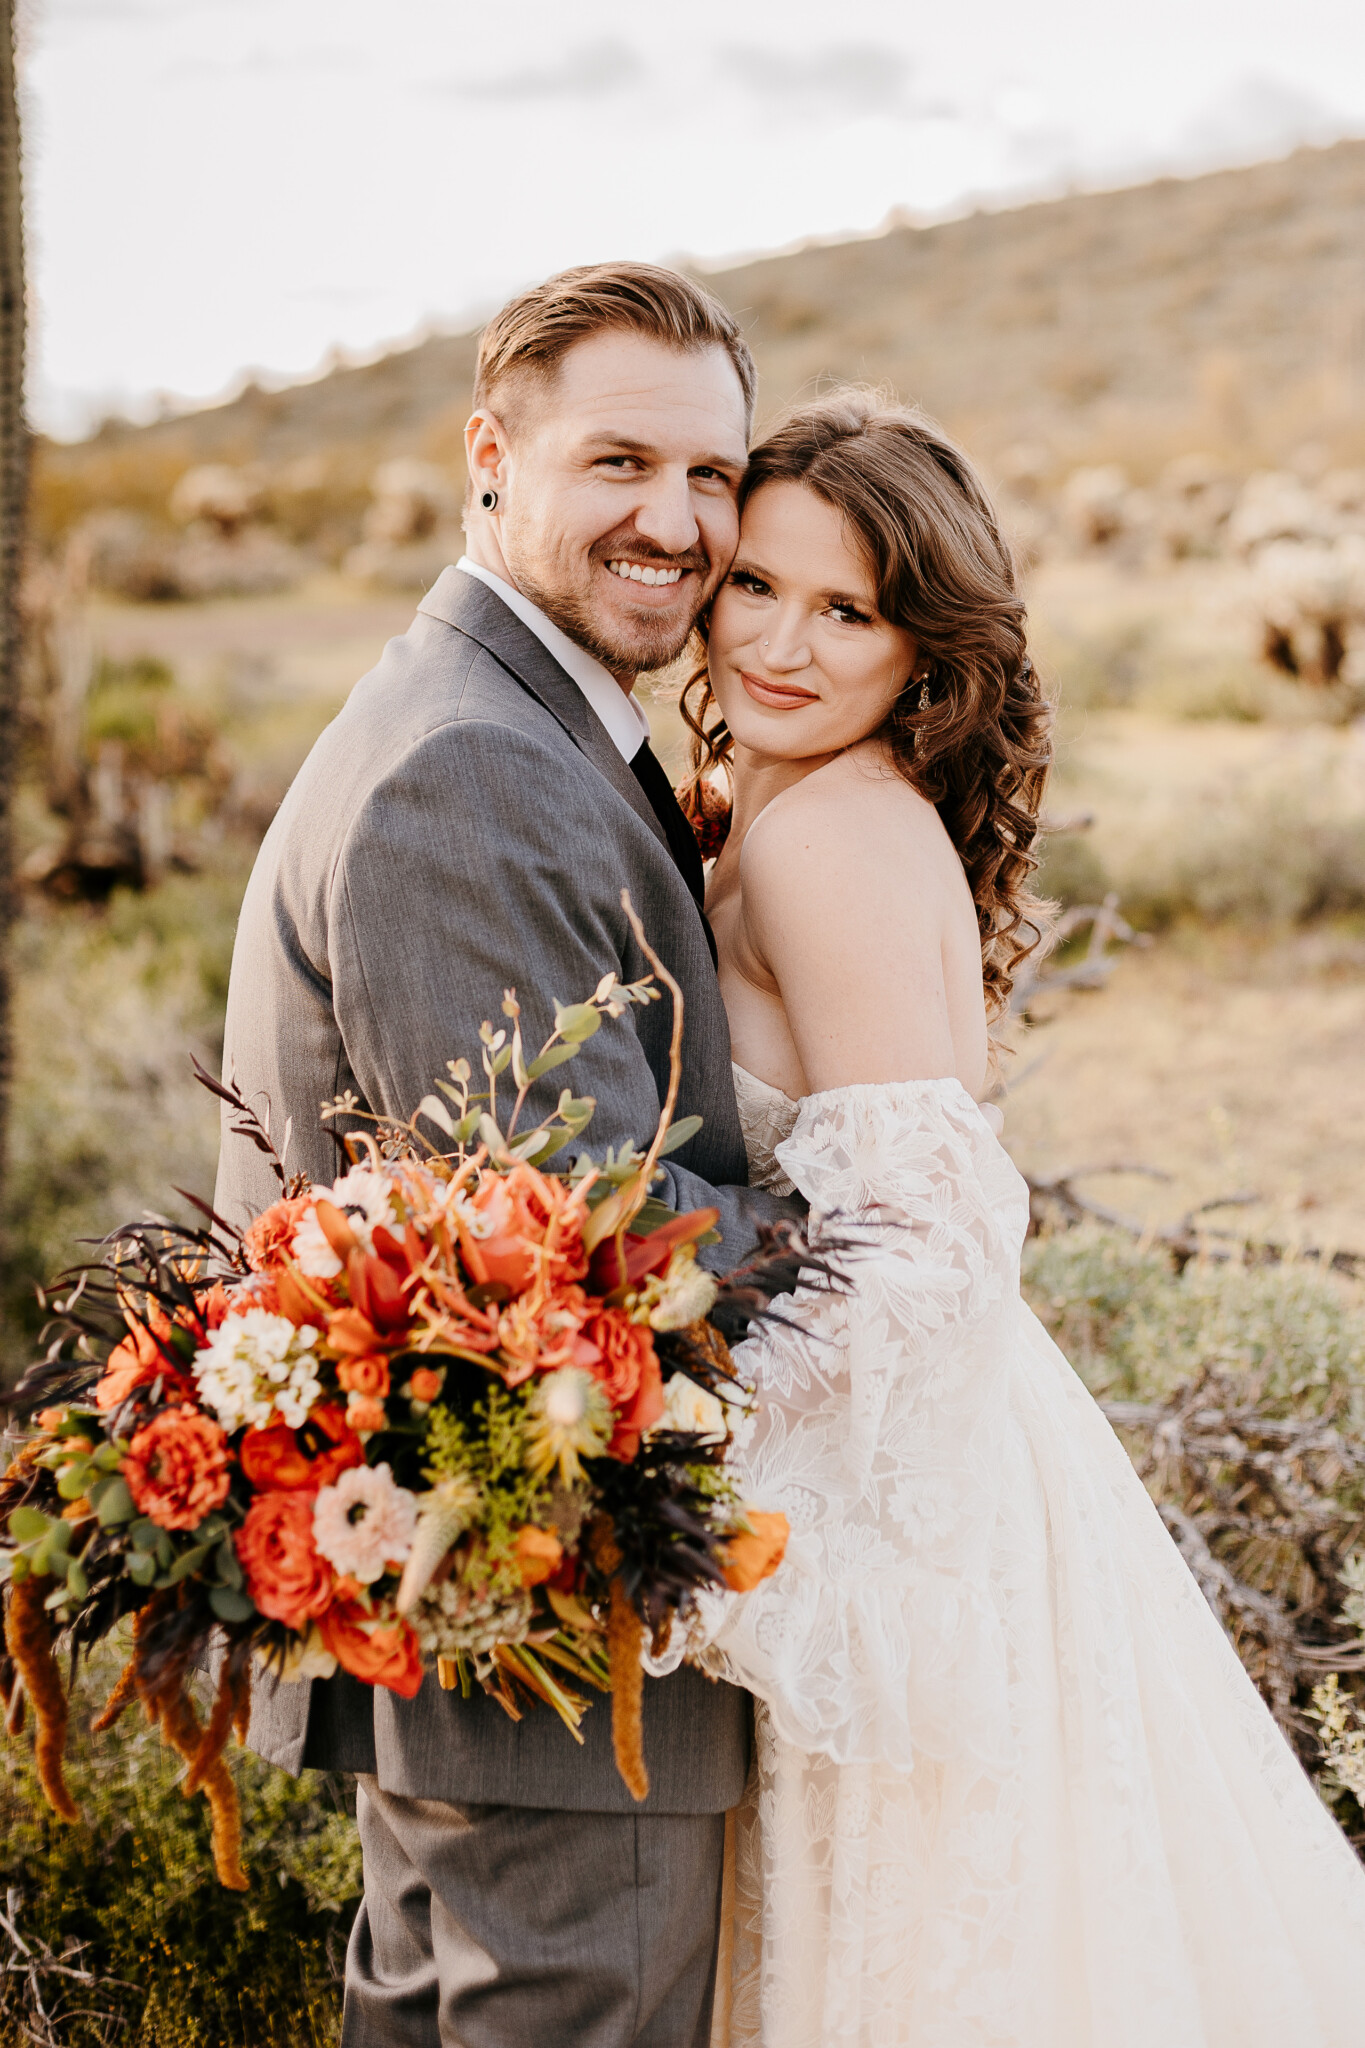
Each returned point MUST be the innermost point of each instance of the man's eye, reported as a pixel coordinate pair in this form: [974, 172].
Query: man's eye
[707, 475]
[617, 462]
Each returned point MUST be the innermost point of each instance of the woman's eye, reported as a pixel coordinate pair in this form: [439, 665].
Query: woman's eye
[849, 614]
[755, 585]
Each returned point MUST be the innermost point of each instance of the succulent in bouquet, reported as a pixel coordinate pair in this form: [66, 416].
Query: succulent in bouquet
[455, 1410]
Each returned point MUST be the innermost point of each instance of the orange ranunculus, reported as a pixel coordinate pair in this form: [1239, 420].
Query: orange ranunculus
[279, 1459]
[365, 1415]
[143, 1357]
[623, 1347]
[754, 1554]
[177, 1468]
[528, 1225]
[302, 1301]
[641, 1412]
[269, 1240]
[539, 1554]
[377, 1653]
[285, 1575]
[424, 1385]
[544, 1337]
[365, 1375]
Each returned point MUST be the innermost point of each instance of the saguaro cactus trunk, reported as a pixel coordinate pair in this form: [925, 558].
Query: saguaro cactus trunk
[13, 505]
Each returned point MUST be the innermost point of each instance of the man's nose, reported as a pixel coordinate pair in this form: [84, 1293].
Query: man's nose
[666, 515]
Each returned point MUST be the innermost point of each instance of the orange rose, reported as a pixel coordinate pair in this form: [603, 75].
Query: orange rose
[269, 1240]
[639, 1414]
[177, 1468]
[285, 1576]
[366, 1375]
[530, 1224]
[623, 1349]
[753, 1554]
[365, 1415]
[377, 1653]
[142, 1358]
[279, 1459]
[539, 1555]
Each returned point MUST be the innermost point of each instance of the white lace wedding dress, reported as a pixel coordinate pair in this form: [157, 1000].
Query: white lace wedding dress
[1012, 1785]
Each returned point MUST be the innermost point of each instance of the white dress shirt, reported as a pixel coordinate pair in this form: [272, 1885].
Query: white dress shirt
[623, 716]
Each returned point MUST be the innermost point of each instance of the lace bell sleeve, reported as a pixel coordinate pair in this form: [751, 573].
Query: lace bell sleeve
[881, 1432]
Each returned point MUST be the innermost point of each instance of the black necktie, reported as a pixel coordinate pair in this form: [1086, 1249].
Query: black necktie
[682, 842]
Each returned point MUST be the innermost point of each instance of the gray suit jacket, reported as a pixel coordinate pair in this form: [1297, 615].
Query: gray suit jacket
[465, 824]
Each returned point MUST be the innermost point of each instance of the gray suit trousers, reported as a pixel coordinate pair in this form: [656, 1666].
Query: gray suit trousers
[514, 1927]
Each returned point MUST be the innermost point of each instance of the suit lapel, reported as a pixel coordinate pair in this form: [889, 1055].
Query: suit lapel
[472, 608]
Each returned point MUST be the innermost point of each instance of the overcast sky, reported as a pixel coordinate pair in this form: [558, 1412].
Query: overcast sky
[223, 185]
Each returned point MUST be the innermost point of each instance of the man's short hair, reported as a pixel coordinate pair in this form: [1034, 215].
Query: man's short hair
[534, 331]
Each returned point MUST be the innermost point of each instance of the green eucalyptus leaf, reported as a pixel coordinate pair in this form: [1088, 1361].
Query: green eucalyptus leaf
[165, 1550]
[26, 1525]
[108, 1457]
[678, 1134]
[432, 1107]
[577, 1022]
[57, 1598]
[77, 1584]
[555, 1057]
[116, 1503]
[502, 1060]
[229, 1571]
[187, 1563]
[531, 1146]
[71, 1482]
[143, 1533]
[140, 1566]
[230, 1605]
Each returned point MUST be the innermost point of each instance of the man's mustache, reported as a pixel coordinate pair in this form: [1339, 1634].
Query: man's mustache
[628, 546]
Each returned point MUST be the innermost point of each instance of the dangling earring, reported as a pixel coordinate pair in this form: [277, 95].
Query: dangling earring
[489, 500]
[924, 692]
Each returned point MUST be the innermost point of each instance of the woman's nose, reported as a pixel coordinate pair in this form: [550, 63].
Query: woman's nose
[786, 644]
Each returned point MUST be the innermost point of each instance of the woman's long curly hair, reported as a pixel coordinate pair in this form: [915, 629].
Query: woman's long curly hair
[980, 751]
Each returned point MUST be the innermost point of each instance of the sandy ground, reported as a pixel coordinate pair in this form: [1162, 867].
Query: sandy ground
[1231, 1067]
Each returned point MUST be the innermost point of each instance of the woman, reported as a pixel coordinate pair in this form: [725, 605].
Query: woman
[1012, 1783]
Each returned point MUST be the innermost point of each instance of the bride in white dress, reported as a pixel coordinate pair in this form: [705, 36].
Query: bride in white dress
[1012, 1785]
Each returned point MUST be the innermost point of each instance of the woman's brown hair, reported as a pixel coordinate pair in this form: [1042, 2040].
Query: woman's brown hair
[980, 750]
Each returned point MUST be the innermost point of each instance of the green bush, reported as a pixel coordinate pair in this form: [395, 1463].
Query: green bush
[197, 1966]
[1134, 1330]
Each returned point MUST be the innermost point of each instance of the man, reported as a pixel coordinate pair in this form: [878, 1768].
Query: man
[468, 823]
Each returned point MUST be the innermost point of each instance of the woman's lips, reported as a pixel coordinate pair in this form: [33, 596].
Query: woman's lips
[782, 696]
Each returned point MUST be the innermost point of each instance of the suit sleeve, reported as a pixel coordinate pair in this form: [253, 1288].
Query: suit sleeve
[457, 881]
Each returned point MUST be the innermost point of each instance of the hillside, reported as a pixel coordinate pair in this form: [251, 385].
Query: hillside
[1225, 311]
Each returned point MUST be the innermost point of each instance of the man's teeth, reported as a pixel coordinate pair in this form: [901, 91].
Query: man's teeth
[636, 572]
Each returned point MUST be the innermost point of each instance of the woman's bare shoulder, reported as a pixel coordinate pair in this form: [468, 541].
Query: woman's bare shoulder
[856, 807]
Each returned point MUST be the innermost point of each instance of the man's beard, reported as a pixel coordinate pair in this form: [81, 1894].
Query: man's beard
[624, 648]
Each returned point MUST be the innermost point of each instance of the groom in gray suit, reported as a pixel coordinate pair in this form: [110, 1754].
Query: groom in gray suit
[466, 823]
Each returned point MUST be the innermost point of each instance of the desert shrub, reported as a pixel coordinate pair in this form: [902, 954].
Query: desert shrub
[1071, 871]
[107, 1118]
[1281, 853]
[1136, 1330]
[197, 1966]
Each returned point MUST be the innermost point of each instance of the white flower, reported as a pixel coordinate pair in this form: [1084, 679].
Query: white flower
[309, 1658]
[364, 1522]
[256, 1366]
[690, 1407]
[686, 1293]
[365, 1199]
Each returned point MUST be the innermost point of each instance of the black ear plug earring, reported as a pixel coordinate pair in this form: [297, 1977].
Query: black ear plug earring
[489, 500]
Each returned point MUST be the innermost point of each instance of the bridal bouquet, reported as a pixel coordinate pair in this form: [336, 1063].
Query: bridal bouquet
[452, 1410]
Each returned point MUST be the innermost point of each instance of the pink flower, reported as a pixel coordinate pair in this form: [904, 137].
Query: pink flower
[364, 1523]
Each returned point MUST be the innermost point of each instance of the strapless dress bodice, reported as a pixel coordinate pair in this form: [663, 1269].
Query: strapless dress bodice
[766, 1117]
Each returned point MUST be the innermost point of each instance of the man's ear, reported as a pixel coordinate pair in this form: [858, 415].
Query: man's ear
[486, 451]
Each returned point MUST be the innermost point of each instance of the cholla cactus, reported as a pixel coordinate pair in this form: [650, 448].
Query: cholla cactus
[1342, 1738]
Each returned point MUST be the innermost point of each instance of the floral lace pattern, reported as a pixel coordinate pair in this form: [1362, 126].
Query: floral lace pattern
[1012, 1786]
